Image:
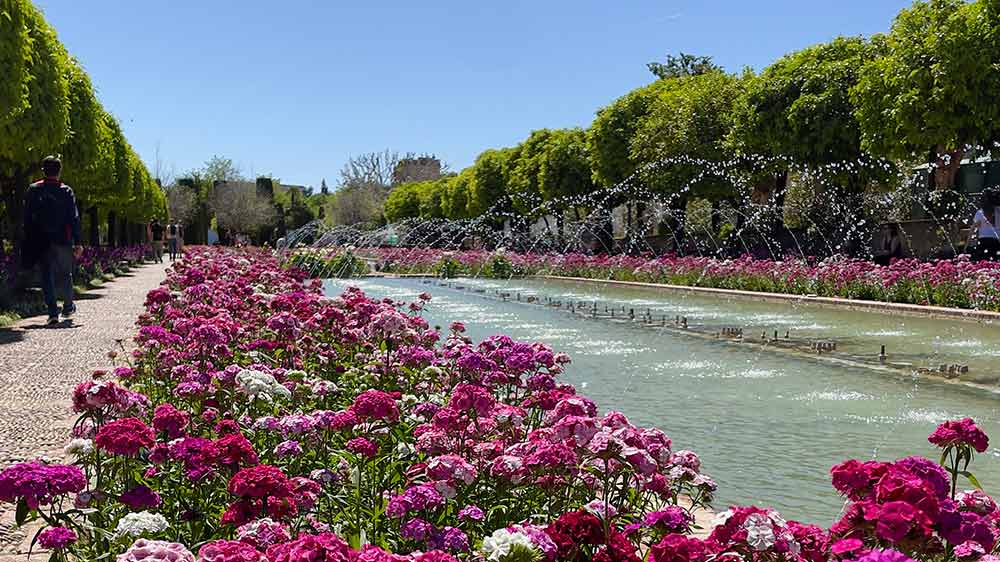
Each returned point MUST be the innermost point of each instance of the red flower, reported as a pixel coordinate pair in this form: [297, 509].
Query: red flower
[573, 529]
[232, 451]
[678, 548]
[125, 437]
[260, 482]
[964, 431]
[168, 419]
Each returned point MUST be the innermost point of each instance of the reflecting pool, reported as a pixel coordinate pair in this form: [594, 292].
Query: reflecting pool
[768, 425]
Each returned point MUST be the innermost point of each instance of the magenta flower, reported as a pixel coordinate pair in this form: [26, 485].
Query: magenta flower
[38, 484]
[55, 538]
[960, 432]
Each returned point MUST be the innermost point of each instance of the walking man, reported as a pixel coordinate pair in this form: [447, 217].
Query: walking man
[156, 240]
[52, 235]
[172, 240]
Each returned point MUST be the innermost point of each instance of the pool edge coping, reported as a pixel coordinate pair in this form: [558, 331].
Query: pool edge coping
[966, 314]
[837, 302]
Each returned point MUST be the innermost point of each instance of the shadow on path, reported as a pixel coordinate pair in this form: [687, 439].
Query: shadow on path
[8, 335]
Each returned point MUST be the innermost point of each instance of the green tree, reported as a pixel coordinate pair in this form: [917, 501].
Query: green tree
[523, 183]
[933, 85]
[15, 52]
[42, 125]
[432, 197]
[682, 65]
[82, 151]
[403, 202]
[609, 138]
[683, 134]
[564, 170]
[455, 203]
[800, 106]
[488, 182]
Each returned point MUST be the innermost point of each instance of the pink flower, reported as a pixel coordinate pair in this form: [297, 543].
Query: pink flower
[324, 547]
[884, 556]
[170, 420]
[262, 533]
[144, 550]
[229, 551]
[465, 397]
[363, 447]
[375, 405]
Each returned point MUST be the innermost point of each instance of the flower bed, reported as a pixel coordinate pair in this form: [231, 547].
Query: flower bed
[93, 264]
[262, 421]
[955, 283]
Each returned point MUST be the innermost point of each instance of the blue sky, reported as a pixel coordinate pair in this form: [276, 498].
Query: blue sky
[292, 88]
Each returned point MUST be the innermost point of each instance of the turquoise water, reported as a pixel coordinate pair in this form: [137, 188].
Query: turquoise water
[768, 425]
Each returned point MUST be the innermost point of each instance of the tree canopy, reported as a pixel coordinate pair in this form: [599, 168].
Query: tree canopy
[932, 81]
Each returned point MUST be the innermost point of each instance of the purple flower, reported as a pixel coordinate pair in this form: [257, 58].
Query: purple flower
[140, 498]
[416, 529]
[55, 538]
[471, 513]
[288, 449]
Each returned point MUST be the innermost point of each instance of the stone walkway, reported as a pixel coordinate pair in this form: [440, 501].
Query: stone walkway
[40, 366]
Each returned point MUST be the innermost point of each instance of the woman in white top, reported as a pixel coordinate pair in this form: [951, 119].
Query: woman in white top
[986, 228]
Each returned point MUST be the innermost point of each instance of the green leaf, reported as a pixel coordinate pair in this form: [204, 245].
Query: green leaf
[972, 479]
[34, 540]
[21, 515]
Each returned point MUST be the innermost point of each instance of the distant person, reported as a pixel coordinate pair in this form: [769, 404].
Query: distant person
[986, 229]
[172, 231]
[156, 231]
[890, 247]
[52, 235]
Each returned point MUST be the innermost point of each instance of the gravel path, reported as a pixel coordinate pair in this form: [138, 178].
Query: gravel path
[40, 366]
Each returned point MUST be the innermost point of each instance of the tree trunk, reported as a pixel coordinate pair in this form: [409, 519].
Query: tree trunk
[95, 237]
[948, 163]
[13, 189]
[112, 230]
[715, 217]
[780, 189]
[678, 219]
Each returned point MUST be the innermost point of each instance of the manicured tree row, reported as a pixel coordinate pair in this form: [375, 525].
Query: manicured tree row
[852, 110]
[50, 108]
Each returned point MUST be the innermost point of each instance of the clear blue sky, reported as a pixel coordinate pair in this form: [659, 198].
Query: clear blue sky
[292, 88]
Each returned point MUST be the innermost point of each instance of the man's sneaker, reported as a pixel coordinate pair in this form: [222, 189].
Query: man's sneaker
[53, 320]
[69, 311]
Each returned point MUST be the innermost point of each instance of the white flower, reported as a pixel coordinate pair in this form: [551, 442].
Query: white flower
[79, 447]
[760, 533]
[258, 384]
[136, 524]
[405, 449]
[501, 542]
[721, 518]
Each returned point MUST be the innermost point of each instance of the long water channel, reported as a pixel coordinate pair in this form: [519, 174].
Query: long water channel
[767, 424]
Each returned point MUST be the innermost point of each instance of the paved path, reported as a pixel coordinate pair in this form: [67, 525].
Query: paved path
[40, 366]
